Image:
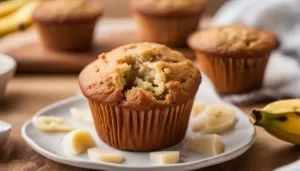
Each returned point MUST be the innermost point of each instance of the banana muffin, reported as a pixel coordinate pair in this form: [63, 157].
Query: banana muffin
[234, 57]
[167, 22]
[67, 24]
[140, 95]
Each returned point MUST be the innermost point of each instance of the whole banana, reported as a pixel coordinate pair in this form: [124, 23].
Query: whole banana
[19, 20]
[8, 7]
[281, 119]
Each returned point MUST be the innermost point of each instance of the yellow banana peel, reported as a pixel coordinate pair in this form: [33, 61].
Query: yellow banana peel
[9, 7]
[19, 20]
[281, 119]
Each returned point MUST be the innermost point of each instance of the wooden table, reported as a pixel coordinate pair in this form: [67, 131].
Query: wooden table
[26, 94]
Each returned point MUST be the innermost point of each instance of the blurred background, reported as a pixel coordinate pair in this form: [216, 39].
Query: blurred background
[118, 8]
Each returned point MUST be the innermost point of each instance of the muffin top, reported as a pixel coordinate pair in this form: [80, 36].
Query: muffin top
[67, 10]
[140, 76]
[168, 8]
[233, 41]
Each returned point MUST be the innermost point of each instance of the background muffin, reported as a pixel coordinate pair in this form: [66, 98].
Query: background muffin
[167, 22]
[234, 57]
[140, 96]
[67, 25]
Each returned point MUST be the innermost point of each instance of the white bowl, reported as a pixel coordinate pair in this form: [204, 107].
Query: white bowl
[4, 132]
[7, 70]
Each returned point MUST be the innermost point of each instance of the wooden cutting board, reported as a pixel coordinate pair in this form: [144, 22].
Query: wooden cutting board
[34, 58]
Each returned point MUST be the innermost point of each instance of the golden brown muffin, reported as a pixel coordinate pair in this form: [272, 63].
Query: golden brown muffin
[67, 25]
[167, 21]
[234, 57]
[140, 96]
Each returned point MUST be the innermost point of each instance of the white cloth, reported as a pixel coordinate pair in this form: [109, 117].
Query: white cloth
[282, 77]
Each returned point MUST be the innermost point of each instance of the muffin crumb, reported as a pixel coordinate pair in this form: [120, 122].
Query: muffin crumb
[102, 56]
[167, 70]
[132, 46]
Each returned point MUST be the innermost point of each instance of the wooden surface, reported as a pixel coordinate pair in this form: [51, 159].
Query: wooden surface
[34, 58]
[27, 94]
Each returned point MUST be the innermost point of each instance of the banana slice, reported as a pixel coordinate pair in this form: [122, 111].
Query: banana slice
[217, 119]
[207, 144]
[97, 154]
[82, 116]
[77, 142]
[51, 124]
[165, 157]
[199, 124]
[198, 108]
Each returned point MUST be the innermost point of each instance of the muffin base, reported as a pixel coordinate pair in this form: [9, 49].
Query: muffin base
[66, 36]
[170, 31]
[133, 130]
[233, 75]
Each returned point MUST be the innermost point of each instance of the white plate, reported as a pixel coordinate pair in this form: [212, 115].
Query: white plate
[49, 145]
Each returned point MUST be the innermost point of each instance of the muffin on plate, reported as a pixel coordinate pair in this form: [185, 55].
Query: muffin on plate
[167, 22]
[140, 95]
[67, 24]
[234, 57]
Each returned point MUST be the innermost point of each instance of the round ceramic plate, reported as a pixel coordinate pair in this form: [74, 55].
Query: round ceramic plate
[237, 141]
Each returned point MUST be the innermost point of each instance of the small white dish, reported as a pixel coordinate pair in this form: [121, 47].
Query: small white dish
[7, 70]
[237, 141]
[5, 129]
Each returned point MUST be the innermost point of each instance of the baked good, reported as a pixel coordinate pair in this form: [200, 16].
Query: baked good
[234, 57]
[140, 95]
[168, 22]
[65, 24]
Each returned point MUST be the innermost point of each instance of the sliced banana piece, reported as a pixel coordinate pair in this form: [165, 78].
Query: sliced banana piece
[165, 157]
[82, 116]
[198, 108]
[97, 154]
[207, 144]
[217, 119]
[77, 142]
[51, 124]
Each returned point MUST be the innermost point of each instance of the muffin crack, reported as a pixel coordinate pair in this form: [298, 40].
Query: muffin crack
[139, 69]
